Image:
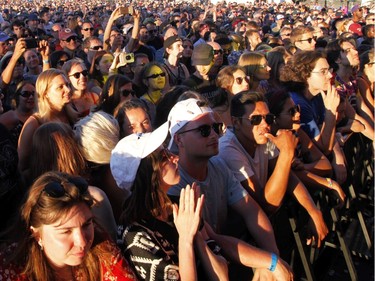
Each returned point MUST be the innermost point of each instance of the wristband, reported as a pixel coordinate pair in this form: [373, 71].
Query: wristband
[329, 182]
[45, 61]
[274, 260]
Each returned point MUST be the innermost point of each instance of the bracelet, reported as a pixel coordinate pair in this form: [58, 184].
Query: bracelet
[329, 182]
[274, 260]
[45, 61]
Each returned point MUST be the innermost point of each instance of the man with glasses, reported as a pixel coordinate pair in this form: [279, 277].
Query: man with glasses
[302, 38]
[262, 162]
[70, 44]
[87, 30]
[91, 45]
[195, 136]
[154, 39]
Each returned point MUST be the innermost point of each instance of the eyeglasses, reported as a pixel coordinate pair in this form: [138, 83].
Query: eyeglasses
[205, 130]
[239, 80]
[218, 52]
[78, 74]
[156, 75]
[55, 189]
[257, 119]
[61, 62]
[152, 31]
[126, 93]
[89, 28]
[323, 71]
[27, 94]
[292, 111]
[308, 40]
[73, 38]
[96, 48]
[262, 65]
[319, 18]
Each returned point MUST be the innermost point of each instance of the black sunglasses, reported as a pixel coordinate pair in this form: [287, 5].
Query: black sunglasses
[61, 62]
[217, 52]
[74, 38]
[55, 189]
[78, 74]
[97, 48]
[257, 119]
[205, 130]
[156, 75]
[27, 94]
[126, 93]
[89, 28]
[308, 40]
[239, 80]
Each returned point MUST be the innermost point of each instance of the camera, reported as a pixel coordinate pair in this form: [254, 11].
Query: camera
[126, 58]
[31, 43]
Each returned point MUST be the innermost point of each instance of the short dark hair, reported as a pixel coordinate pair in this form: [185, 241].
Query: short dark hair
[237, 105]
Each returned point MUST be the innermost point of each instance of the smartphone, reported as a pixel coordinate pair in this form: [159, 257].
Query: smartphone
[31, 43]
[126, 58]
[126, 10]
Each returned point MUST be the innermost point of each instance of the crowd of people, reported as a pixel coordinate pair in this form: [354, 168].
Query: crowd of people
[155, 140]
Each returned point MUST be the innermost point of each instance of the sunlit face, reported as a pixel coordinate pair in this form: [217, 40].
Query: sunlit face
[105, 63]
[306, 43]
[286, 119]
[240, 82]
[28, 103]
[193, 143]
[263, 70]
[67, 241]
[169, 168]
[79, 84]
[349, 55]
[320, 77]
[87, 30]
[253, 133]
[157, 83]
[136, 121]
[59, 92]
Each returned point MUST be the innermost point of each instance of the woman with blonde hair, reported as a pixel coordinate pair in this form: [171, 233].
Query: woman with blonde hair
[56, 236]
[98, 134]
[54, 95]
[82, 100]
[257, 68]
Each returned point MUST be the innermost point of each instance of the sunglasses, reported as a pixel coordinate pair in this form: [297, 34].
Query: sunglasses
[308, 40]
[61, 62]
[239, 80]
[96, 48]
[126, 93]
[293, 111]
[257, 119]
[217, 52]
[73, 38]
[78, 74]
[89, 28]
[55, 189]
[205, 130]
[27, 94]
[156, 75]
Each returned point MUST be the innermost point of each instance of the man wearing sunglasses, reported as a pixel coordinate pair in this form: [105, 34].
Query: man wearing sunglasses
[70, 44]
[303, 38]
[195, 136]
[262, 162]
[87, 30]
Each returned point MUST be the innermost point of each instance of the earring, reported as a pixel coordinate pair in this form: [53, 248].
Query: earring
[40, 245]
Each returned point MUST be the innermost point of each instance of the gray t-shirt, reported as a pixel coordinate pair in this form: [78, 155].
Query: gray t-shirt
[220, 189]
[241, 163]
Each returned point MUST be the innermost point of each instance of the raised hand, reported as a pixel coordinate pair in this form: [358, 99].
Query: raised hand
[187, 215]
[331, 99]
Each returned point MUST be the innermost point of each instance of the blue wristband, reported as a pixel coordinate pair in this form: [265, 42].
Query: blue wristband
[274, 260]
